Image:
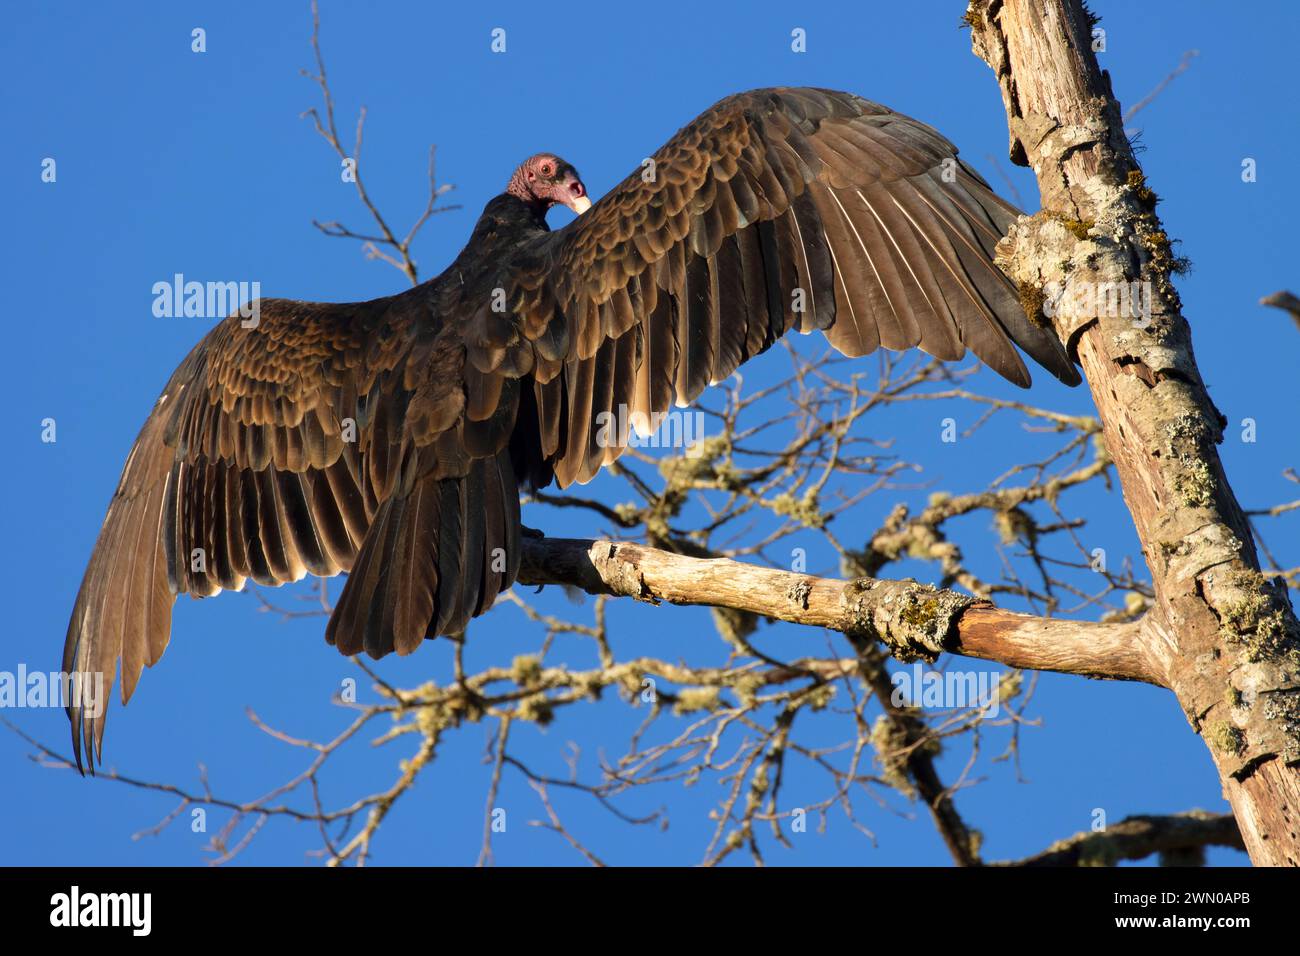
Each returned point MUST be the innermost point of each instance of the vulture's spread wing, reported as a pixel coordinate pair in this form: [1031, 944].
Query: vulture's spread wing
[775, 209]
[252, 466]
[389, 438]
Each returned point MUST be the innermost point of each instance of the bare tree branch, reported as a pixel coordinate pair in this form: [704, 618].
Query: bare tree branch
[1180, 839]
[1285, 301]
[913, 620]
[1150, 98]
[400, 257]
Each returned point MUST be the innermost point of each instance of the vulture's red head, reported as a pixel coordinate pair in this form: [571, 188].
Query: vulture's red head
[545, 180]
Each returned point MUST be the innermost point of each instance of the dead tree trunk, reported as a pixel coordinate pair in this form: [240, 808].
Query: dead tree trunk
[1225, 636]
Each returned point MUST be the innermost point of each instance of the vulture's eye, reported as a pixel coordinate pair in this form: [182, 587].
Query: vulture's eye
[546, 169]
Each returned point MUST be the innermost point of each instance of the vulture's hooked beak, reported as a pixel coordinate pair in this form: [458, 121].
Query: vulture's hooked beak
[577, 198]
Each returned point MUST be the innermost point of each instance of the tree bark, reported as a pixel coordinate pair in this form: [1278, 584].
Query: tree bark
[913, 620]
[1227, 642]
[1181, 837]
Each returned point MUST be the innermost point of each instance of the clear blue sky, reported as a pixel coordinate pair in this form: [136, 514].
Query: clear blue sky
[171, 162]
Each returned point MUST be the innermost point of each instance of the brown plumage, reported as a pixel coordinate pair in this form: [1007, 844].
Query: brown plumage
[390, 438]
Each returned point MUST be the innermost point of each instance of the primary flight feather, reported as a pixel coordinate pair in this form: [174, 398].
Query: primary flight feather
[390, 438]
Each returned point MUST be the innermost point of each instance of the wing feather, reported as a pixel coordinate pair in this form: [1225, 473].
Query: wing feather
[384, 438]
[767, 193]
[324, 439]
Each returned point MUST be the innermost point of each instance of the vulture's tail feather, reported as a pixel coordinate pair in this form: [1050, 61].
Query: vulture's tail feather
[437, 554]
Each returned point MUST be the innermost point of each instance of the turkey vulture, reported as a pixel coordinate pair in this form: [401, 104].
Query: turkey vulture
[390, 438]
